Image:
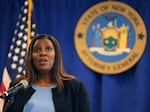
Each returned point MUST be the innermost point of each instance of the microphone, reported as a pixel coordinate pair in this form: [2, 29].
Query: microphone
[13, 90]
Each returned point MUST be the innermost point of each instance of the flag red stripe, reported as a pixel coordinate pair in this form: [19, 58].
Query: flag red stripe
[2, 88]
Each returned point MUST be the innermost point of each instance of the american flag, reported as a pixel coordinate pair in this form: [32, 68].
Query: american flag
[15, 65]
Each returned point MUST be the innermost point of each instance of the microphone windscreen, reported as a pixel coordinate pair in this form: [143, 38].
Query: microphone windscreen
[24, 83]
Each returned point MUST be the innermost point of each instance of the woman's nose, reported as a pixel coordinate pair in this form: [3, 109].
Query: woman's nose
[43, 53]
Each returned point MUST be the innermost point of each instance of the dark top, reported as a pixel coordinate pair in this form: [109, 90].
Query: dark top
[73, 98]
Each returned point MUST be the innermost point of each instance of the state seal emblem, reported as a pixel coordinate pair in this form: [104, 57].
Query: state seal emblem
[110, 37]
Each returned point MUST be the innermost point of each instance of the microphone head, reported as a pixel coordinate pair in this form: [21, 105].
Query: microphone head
[24, 83]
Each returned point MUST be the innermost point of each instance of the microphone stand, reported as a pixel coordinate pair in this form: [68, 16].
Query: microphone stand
[9, 102]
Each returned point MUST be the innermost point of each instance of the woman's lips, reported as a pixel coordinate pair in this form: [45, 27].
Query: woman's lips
[43, 61]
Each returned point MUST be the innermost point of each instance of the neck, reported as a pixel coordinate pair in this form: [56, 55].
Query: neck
[44, 80]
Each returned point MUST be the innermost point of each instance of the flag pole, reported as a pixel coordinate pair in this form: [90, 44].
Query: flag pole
[29, 22]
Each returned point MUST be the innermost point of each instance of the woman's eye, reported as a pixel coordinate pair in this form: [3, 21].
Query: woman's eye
[48, 48]
[36, 49]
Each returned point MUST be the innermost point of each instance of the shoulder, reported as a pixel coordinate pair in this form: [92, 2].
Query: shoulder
[74, 84]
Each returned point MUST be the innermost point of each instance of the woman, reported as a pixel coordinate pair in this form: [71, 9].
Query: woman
[50, 88]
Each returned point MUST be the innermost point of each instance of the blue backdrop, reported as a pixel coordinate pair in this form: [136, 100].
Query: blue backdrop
[125, 92]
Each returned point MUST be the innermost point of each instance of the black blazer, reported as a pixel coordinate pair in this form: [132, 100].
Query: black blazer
[73, 98]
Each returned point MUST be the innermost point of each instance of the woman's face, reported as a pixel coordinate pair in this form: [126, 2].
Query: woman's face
[43, 55]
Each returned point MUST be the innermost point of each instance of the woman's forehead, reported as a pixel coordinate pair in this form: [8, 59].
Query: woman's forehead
[43, 41]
